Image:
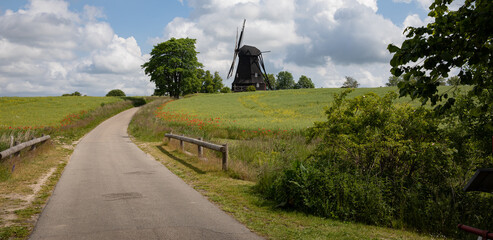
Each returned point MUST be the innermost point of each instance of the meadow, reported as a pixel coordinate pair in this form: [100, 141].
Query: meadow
[38, 112]
[283, 110]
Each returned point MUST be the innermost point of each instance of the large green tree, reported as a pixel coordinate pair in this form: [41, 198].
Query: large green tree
[304, 82]
[461, 39]
[285, 80]
[172, 66]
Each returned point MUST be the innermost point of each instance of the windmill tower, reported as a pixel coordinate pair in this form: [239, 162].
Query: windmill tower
[250, 65]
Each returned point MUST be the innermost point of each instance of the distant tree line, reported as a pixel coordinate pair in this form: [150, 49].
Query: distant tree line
[285, 80]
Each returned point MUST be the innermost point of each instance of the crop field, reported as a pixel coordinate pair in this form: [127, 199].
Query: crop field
[278, 111]
[39, 112]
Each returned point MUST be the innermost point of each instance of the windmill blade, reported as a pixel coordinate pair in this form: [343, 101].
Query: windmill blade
[241, 35]
[230, 73]
[266, 78]
[232, 66]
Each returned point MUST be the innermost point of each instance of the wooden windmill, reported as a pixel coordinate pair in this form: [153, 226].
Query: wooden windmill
[250, 65]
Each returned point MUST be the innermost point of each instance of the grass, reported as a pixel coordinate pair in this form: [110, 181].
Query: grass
[45, 111]
[238, 198]
[274, 110]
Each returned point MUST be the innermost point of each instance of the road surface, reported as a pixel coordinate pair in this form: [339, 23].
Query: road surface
[110, 189]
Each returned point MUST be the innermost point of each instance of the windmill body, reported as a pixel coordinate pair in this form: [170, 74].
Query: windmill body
[248, 72]
[250, 65]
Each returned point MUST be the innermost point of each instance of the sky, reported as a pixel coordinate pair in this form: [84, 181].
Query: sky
[52, 47]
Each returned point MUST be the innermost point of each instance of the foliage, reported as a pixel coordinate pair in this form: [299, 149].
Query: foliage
[115, 93]
[72, 94]
[453, 81]
[272, 80]
[304, 82]
[211, 84]
[455, 39]
[382, 163]
[225, 90]
[393, 81]
[285, 80]
[172, 66]
[350, 83]
[251, 88]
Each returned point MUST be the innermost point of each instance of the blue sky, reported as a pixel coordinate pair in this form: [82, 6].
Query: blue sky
[94, 46]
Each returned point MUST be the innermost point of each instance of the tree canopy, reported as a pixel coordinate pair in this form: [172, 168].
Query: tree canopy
[173, 66]
[115, 93]
[285, 80]
[350, 83]
[304, 82]
[461, 39]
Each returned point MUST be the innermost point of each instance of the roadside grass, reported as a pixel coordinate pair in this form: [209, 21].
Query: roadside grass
[24, 191]
[45, 111]
[238, 198]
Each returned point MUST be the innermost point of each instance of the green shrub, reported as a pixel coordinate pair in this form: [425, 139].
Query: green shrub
[382, 163]
[251, 88]
[115, 93]
[225, 90]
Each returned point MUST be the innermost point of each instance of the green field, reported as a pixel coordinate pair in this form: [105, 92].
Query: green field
[274, 110]
[45, 111]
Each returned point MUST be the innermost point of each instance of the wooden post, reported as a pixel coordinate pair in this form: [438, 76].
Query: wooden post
[225, 157]
[182, 146]
[200, 150]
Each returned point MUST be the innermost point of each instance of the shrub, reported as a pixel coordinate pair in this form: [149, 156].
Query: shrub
[225, 90]
[382, 163]
[115, 93]
[251, 88]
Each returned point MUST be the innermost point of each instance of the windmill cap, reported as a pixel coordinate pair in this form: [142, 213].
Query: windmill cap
[249, 51]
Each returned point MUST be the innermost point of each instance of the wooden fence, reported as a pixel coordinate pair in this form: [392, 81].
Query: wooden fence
[220, 148]
[17, 148]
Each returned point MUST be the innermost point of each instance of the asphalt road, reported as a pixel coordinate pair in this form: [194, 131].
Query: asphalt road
[110, 189]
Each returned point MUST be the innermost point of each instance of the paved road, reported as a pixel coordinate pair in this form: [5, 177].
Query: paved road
[110, 189]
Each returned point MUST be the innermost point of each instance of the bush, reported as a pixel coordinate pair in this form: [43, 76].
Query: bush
[115, 93]
[251, 88]
[382, 163]
[225, 90]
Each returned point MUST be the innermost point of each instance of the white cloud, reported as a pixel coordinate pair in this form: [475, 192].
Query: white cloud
[323, 39]
[46, 49]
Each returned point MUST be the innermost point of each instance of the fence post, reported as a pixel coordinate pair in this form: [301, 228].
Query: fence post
[182, 145]
[200, 150]
[225, 157]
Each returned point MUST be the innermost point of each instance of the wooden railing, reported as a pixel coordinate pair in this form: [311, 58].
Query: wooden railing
[17, 148]
[220, 148]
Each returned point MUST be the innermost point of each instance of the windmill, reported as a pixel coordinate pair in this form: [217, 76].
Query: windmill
[250, 65]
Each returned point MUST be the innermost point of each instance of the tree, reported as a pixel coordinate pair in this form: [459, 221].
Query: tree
[217, 82]
[115, 93]
[350, 83]
[207, 84]
[453, 81]
[461, 39]
[172, 66]
[285, 80]
[272, 80]
[393, 81]
[304, 82]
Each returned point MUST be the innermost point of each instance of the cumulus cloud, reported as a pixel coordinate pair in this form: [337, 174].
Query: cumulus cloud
[46, 49]
[323, 39]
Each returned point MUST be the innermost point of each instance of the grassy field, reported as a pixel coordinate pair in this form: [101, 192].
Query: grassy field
[45, 111]
[271, 110]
